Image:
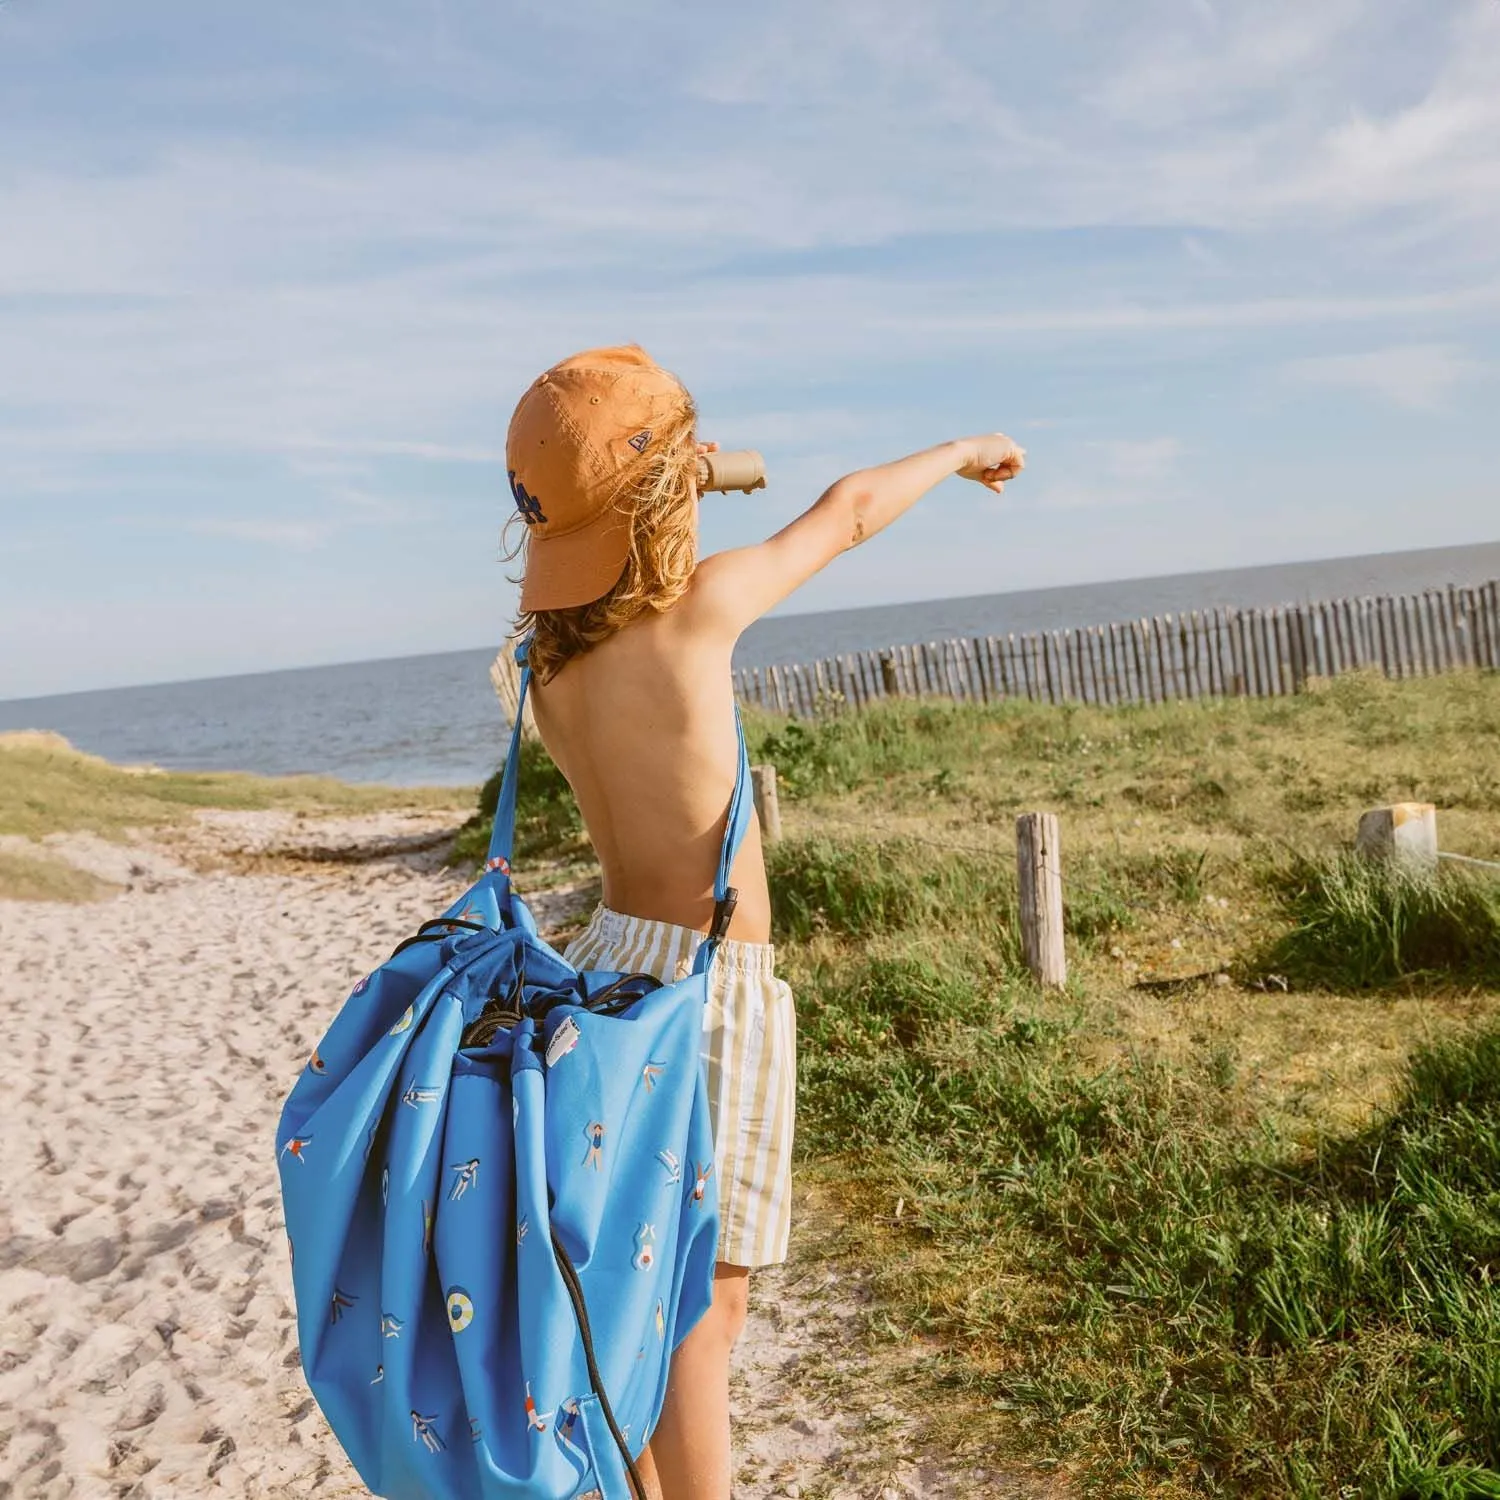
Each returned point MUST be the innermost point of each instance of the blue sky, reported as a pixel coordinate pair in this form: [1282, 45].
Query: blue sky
[272, 277]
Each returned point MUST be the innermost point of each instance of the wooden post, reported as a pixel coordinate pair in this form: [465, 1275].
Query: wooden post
[1039, 878]
[767, 805]
[1404, 835]
[505, 678]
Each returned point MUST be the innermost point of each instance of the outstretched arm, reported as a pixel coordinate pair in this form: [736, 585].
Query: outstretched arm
[737, 587]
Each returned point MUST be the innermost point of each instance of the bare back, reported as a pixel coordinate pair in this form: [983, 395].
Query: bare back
[642, 727]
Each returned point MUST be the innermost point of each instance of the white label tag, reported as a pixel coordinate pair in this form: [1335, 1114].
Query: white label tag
[564, 1039]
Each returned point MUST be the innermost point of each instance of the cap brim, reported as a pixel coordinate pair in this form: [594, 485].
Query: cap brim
[563, 572]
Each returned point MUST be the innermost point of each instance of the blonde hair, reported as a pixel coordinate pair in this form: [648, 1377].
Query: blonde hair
[657, 491]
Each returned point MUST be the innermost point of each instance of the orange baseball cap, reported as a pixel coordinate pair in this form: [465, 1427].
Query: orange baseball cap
[578, 429]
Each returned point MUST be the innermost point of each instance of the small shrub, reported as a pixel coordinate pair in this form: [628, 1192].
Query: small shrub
[548, 822]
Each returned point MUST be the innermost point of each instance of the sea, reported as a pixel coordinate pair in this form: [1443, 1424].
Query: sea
[434, 720]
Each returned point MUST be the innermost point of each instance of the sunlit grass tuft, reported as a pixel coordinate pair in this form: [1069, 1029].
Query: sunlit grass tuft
[1359, 924]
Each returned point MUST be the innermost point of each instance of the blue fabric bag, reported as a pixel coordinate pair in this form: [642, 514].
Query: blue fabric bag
[495, 1171]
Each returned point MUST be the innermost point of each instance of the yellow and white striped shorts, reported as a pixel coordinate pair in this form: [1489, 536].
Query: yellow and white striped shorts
[750, 1054]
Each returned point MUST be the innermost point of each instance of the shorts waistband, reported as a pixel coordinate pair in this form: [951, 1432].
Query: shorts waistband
[663, 946]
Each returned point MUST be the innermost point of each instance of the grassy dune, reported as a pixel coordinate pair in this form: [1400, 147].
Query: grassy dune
[1224, 1217]
[48, 787]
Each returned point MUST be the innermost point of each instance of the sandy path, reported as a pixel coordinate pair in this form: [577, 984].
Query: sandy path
[147, 1344]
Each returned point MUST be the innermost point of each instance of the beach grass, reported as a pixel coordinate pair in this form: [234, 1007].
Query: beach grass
[46, 786]
[1222, 1216]
[27, 875]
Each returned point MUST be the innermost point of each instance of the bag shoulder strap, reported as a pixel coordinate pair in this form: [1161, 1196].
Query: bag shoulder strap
[741, 808]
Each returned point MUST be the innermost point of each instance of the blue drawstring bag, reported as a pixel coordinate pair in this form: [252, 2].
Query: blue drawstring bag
[501, 1218]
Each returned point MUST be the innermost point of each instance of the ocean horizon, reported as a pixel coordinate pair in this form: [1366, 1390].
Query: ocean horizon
[433, 718]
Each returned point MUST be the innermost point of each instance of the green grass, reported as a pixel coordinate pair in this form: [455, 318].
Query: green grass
[1359, 925]
[1139, 1272]
[46, 786]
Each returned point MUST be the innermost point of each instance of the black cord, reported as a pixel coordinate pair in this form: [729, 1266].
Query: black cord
[580, 1311]
[446, 924]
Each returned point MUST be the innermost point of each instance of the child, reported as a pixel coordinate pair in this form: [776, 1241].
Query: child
[630, 654]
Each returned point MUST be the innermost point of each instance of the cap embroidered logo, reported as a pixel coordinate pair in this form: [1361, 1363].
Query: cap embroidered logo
[528, 505]
[639, 441]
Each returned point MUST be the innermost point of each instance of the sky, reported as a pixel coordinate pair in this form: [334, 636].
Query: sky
[272, 278]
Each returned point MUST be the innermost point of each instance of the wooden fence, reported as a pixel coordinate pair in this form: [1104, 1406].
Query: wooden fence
[1257, 653]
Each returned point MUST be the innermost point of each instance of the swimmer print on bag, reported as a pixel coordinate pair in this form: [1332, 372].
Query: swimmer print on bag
[534, 1419]
[465, 1175]
[424, 1431]
[645, 1248]
[296, 1146]
[594, 1132]
[704, 1171]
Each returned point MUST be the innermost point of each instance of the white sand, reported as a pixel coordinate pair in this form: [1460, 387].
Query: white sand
[147, 1342]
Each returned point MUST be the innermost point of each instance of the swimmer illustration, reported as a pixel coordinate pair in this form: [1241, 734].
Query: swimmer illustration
[385, 1185]
[534, 1420]
[500, 863]
[361, 987]
[475, 1431]
[569, 1421]
[390, 1326]
[661, 1322]
[424, 1431]
[523, 1228]
[465, 1175]
[426, 1228]
[460, 1309]
[379, 1375]
[404, 1024]
[668, 1159]
[342, 1301]
[316, 1063]
[703, 1171]
[650, 1073]
[417, 1094]
[296, 1146]
[645, 1248]
[594, 1158]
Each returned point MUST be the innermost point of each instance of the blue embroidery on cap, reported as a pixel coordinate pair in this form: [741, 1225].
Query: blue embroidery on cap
[528, 504]
[639, 441]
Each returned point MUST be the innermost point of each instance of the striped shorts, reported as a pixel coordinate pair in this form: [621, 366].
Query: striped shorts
[750, 1054]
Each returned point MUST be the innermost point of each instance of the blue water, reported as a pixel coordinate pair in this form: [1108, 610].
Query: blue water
[434, 720]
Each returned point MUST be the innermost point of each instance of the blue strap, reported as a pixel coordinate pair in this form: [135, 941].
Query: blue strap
[741, 809]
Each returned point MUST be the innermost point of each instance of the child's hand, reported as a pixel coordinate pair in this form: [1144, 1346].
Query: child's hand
[992, 460]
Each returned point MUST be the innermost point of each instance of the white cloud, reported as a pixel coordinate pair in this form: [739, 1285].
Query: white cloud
[1420, 377]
